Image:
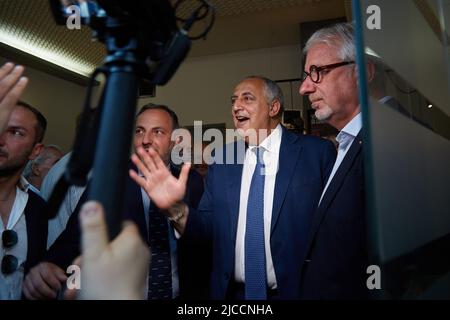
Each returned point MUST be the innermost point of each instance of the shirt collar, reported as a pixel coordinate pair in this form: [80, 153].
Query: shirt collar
[273, 141]
[354, 126]
[23, 184]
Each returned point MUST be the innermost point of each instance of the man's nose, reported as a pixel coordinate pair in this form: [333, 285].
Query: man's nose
[236, 105]
[147, 140]
[307, 87]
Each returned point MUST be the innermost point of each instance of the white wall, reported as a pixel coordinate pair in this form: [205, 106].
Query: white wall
[202, 87]
[200, 90]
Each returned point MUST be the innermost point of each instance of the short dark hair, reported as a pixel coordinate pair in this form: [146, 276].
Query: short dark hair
[152, 106]
[41, 121]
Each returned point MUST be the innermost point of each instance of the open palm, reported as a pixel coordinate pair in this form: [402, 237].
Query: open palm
[161, 186]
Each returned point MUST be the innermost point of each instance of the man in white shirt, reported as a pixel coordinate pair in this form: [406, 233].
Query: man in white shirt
[337, 258]
[23, 221]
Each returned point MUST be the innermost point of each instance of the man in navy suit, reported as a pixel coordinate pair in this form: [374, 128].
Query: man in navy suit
[153, 130]
[336, 253]
[259, 199]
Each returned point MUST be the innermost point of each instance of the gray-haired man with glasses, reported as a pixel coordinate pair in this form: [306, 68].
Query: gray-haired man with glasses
[336, 260]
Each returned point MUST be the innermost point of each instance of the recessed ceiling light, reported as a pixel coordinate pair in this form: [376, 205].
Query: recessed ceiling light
[430, 106]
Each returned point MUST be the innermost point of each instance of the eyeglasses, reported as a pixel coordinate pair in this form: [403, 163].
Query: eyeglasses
[315, 71]
[9, 262]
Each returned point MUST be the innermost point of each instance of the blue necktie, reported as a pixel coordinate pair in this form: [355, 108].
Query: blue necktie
[160, 275]
[255, 255]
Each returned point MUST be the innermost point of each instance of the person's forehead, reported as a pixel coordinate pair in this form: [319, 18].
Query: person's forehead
[321, 54]
[251, 85]
[21, 117]
[153, 117]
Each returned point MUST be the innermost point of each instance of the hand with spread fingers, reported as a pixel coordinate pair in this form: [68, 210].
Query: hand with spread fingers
[162, 187]
[12, 85]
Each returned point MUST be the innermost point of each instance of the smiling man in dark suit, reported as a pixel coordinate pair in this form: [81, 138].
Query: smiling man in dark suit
[258, 203]
[336, 259]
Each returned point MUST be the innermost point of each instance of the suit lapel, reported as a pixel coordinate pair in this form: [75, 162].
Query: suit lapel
[334, 187]
[234, 176]
[286, 165]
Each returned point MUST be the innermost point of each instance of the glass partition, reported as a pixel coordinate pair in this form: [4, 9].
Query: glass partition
[406, 114]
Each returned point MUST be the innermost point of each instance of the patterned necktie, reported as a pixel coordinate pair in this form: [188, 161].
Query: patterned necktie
[343, 138]
[160, 275]
[255, 255]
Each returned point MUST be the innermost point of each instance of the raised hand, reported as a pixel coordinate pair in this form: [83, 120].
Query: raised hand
[12, 85]
[161, 186]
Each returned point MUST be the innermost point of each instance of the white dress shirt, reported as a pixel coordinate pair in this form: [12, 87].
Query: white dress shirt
[11, 284]
[58, 224]
[345, 139]
[271, 146]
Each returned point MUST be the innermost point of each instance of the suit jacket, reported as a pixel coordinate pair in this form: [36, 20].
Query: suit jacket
[67, 247]
[304, 165]
[36, 222]
[336, 260]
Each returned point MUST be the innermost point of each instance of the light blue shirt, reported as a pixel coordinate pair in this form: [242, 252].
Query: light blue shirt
[345, 139]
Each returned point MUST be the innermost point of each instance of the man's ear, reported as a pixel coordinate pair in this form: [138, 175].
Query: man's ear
[35, 170]
[36, 151]
[274, 108]
[370, 67]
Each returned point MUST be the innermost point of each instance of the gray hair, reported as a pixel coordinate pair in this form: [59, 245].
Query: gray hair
[40, 159]
[339, 36]
[272, 91]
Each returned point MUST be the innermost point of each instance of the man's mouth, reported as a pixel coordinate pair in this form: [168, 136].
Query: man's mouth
[241, 119]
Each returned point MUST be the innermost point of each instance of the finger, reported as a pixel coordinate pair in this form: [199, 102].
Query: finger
[6, 69]
[26, 291]
[141, 181]
[11, 97]
[52, 277]
[94, 234]
[60, 274]
[156, 159]
[39, 289]
[130, 241]
[147, 159]
[141, 166]
[10, 80]
[184, 174]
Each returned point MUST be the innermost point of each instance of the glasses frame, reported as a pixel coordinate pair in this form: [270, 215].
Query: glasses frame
[318, 70]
